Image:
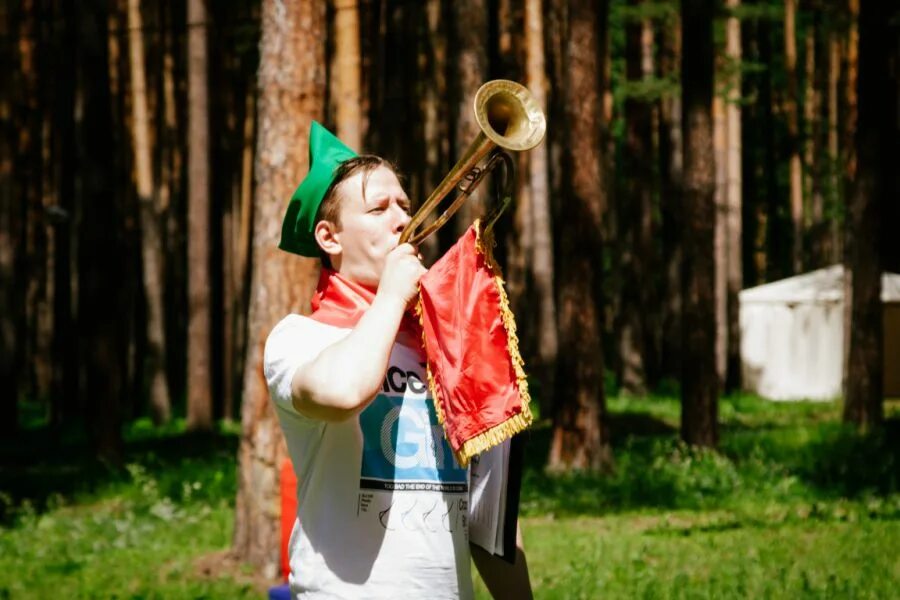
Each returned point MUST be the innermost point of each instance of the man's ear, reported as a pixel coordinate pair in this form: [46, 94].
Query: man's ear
[328, 238]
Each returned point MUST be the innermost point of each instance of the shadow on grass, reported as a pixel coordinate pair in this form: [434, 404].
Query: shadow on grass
[41, 469]
[626, 428]
[809, 459]
[834, 512]
[815, 461]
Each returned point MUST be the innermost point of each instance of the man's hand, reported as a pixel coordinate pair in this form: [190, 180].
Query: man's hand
[402, 271]
[504, 580]
[325, 388]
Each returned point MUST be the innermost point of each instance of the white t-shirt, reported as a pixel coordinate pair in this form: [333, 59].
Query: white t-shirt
[382, 503]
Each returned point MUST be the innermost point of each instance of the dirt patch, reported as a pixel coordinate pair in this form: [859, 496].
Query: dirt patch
[225, 565]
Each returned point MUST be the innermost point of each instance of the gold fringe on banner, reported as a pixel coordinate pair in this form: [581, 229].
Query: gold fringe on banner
[499, 433]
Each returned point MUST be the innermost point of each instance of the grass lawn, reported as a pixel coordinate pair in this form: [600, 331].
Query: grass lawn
[697, 555]
[794, 505]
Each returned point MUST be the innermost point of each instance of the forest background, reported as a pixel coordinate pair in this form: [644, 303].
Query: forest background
[694, 149]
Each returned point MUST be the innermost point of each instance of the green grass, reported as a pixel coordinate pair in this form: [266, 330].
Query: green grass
[698, 555]
[793, 505]
[78, 529]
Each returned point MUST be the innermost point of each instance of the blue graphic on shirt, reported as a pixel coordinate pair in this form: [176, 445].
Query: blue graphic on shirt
[404, 447]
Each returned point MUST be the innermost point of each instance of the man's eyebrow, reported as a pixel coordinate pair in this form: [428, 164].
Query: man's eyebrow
[388, 197]
[377, 199]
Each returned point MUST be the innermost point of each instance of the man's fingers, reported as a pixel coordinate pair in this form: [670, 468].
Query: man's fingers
[406, 249]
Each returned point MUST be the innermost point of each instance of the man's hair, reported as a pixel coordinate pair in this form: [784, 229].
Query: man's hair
[330, 208]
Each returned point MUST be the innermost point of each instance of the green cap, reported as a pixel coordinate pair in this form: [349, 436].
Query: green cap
[326, 153]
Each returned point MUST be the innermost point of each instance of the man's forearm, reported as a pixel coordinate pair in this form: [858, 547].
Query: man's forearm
[348, 374]
[504, 580]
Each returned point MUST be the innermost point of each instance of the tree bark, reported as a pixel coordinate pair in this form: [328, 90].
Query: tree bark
[102, 260]
[435, 125]
[151, 241]
[778, 258]
[200, 381]
[171, 200]
[851, 88]
[12, 234]
[699, 393]
[670, 168]
[49, 198]
[345, 73]
[834, 175]
[811, 150]
[470, 36]
[635, 214]
[291, 87]
[539, 200]
[580, 431]
[793, 124]
[240, 278]
[29, 189]
[734, 201]
[874, 187]
[753, 216]
[720, 143]
[64, 388]
[119, 174]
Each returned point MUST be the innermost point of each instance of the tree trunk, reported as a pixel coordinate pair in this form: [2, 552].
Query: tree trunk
[29, 186]
[874, 187]
[793, 124]
[720, 143]
[778, 259]
[12, 247]
[238, 295]
[64, 388]
[510, 60]
[151, 242]
[699, 393]
[891, 258]
[435, 126]
[810, 144]
[734, 201]
[539, 199]
[851, 88]
[102, 260]
[394, 102]
[345, 73]
[753, 216]
[470, 36]
[200, 381]
[49, 198]
[635, 214]
[580, 431]
[171, 202]
[507, 31]
[815, 150]
[291, 93]
[834, 174]
[670, 168]
[119, 173]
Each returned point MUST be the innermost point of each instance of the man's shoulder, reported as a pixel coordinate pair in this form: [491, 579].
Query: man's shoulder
[297, 323]
[299, 331]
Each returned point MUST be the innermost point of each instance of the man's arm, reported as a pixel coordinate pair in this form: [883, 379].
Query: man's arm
[346, 375]
[504, 580]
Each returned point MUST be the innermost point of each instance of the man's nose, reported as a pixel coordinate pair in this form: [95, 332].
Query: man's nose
[403, 219]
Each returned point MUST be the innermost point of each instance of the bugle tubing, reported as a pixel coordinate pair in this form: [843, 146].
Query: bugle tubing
[509, 119]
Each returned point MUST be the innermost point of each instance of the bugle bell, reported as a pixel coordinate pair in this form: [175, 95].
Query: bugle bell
[509, 119]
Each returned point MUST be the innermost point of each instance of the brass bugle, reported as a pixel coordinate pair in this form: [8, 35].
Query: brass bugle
[509, 119]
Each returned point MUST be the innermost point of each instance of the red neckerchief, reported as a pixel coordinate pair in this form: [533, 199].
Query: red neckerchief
[341, 302]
